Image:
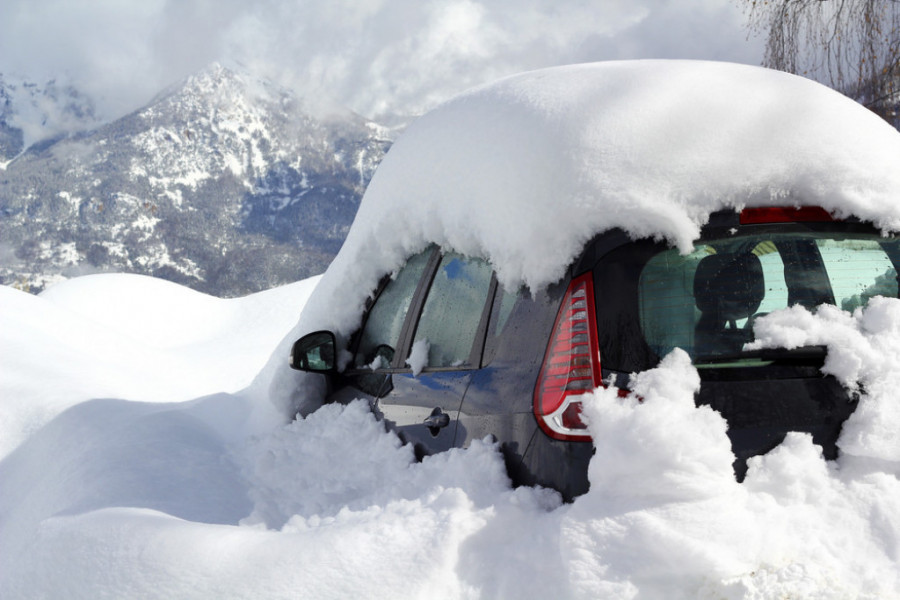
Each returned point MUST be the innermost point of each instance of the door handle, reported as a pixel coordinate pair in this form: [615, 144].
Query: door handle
[437, 419]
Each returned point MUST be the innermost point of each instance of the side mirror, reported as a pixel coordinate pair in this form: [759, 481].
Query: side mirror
[314, 353]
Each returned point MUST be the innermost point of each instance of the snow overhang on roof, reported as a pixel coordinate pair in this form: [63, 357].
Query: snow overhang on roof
[525, 170]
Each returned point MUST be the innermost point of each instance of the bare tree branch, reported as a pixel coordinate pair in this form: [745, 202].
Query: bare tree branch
[851, 45]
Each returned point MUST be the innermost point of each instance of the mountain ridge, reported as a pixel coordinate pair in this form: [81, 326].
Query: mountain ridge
[225, 183]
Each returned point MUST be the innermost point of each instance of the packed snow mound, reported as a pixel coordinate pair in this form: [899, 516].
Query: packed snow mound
[140, 306]
[130, 337]
[524, 171]
[200, 499]
[163, 314]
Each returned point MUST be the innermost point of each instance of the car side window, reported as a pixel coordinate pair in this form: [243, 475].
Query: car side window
[453, 312]
[381, 332]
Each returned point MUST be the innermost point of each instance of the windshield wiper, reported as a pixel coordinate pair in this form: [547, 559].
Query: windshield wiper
[801, 355]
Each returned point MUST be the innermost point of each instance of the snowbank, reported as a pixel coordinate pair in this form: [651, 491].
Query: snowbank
[526, 170]
[118, 498]
[215, 497]
[130, 337]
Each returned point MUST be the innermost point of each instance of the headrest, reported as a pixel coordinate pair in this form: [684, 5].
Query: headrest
[729, 286]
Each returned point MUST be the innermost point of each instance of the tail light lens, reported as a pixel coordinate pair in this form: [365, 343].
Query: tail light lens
[781, 214]
[571, 365]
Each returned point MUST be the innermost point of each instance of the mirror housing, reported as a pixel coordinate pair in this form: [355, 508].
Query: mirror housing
[315, 353]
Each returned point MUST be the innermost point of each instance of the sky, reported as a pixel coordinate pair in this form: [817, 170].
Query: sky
[377, 57]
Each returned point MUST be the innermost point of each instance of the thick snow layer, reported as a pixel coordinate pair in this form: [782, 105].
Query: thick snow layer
[131, 337]
[524, 171]
[123, 485]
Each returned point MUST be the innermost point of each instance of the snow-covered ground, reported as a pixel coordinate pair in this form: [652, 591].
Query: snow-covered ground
[147, 447]
[139, 464]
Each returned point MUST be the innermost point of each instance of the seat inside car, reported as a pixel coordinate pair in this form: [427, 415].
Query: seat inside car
[727, 288]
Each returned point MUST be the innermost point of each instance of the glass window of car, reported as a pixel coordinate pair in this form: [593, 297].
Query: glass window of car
[705, 302]
[381, 332]
[858, 269]
[453, 310]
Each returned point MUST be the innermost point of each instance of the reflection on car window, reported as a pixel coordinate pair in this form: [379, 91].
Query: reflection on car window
[504, 302]
[705, 302]
[507, 301]
[857, 270]
[381, 332]
[776, 296]
[453, 309]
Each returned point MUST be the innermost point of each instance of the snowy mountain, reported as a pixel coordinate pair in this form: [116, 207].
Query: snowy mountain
[224, 183]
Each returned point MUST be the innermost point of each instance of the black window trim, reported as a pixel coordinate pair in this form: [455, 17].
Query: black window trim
[477, 353]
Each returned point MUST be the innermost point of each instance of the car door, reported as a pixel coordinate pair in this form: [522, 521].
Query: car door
[421, 340]
[444, 348]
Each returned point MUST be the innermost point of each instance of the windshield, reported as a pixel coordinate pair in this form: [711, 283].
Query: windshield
[706, 302]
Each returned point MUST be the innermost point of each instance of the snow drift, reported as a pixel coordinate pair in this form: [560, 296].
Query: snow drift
[205, 498]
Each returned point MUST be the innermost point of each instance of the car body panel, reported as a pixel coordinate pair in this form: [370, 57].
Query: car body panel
[414, 399]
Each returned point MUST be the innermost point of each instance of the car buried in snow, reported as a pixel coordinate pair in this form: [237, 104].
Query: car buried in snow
[449, 348]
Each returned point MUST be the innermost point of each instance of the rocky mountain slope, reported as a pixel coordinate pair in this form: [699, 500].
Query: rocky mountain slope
[225, 183]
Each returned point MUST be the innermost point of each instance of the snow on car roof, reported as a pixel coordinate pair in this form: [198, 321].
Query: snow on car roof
[524, 171]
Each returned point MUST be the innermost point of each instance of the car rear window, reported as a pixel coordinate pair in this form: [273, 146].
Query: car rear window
[705, 302]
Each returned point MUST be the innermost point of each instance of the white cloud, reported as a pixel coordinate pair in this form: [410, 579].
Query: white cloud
[375, 56]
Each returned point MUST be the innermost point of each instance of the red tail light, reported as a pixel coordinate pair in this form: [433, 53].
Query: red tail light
[571, 365]
[778, 214]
